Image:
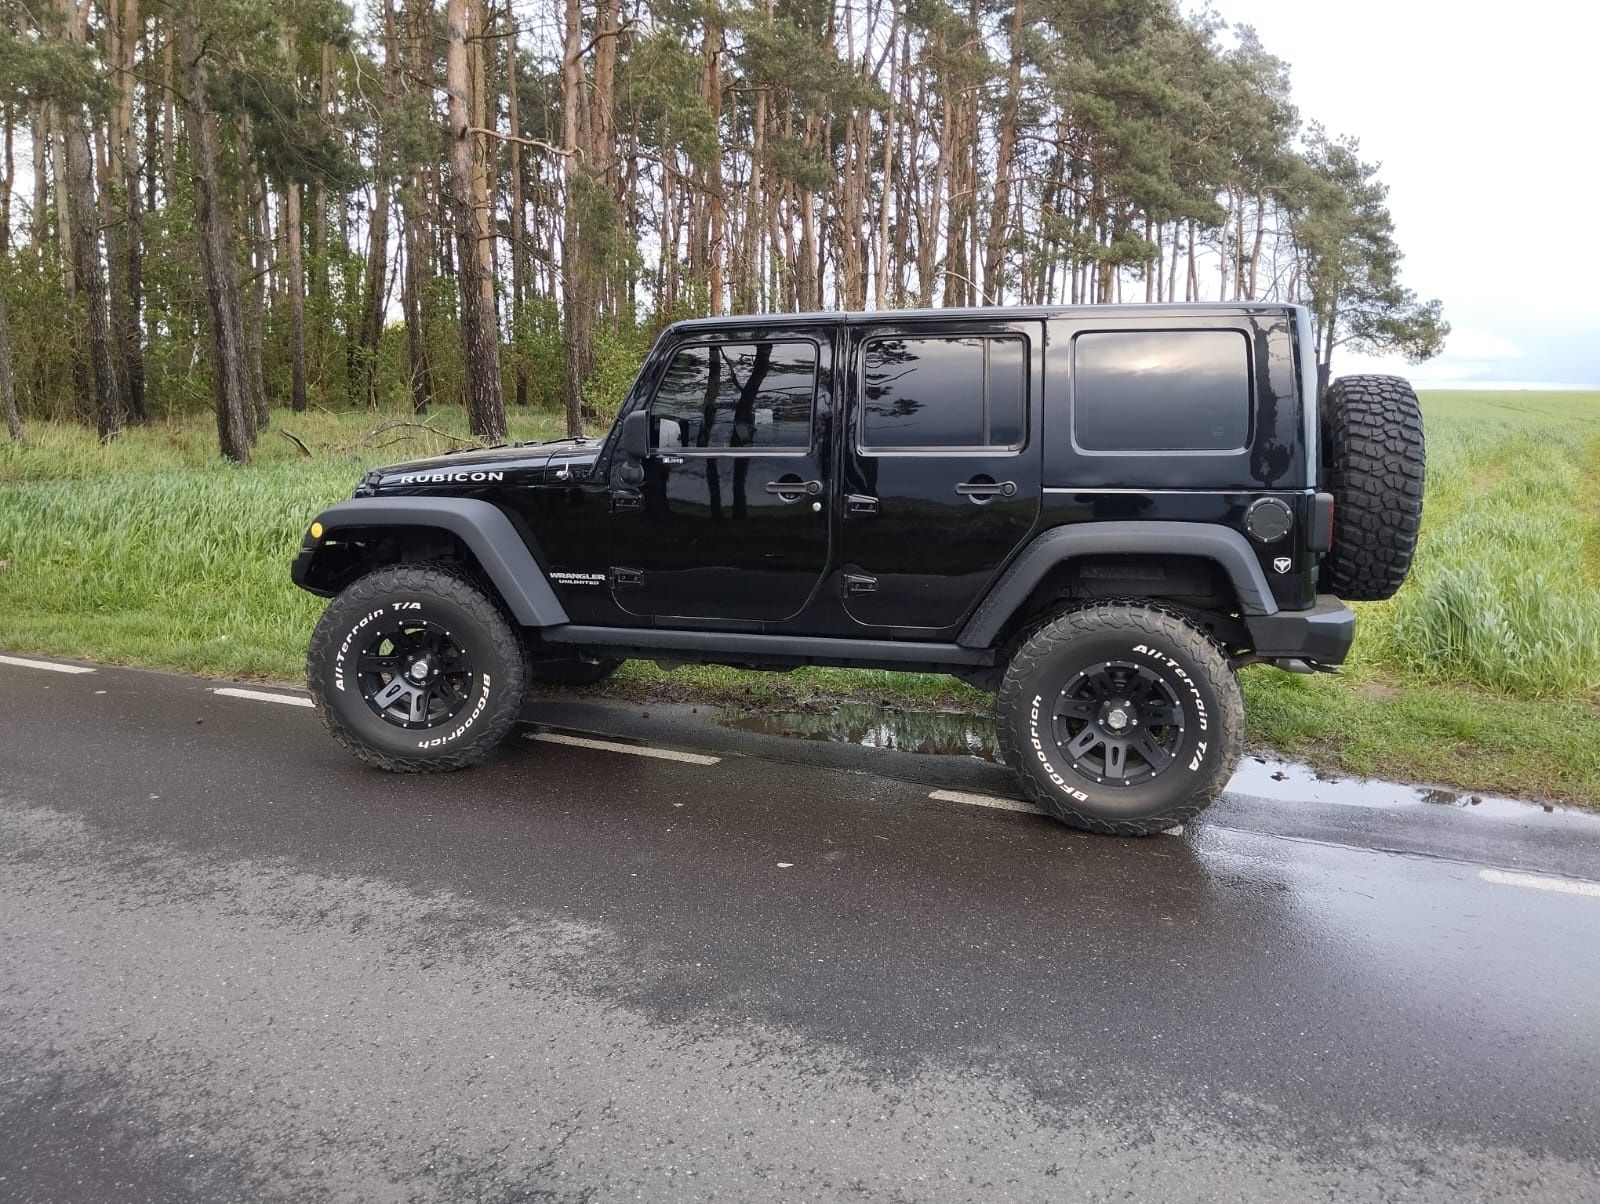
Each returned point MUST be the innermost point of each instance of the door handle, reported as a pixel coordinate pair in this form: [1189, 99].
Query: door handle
[792, 489]
[983, 491]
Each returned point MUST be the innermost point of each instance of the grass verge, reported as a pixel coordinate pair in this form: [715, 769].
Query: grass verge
[1484, 673]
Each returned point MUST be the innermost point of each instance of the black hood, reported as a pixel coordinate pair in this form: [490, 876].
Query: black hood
[505, 464]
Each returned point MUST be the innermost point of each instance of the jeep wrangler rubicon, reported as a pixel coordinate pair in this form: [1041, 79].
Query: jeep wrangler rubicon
[1100, 512]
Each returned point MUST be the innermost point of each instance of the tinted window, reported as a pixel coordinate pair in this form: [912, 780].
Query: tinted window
[1186, 390]
[943, 392]
[728, 395]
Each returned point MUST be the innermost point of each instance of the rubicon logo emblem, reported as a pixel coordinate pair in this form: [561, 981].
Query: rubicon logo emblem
[442, 478]
[1282, 564]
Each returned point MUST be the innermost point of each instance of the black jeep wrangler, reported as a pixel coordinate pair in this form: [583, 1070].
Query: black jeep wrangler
[1100, 512]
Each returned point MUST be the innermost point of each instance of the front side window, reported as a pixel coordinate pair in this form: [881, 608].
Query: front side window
[722, 396]
[921, 393]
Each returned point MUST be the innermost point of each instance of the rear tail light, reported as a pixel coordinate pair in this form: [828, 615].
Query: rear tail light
[1321, 533]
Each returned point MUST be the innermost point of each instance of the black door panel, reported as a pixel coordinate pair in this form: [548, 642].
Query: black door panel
[731, 520]
[941, 477]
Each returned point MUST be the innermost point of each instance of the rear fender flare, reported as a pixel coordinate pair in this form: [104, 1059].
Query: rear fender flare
[1227, 547]
[486, 530]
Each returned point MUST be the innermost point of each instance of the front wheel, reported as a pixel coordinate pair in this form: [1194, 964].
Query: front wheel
[414, 669]
[1120, 718]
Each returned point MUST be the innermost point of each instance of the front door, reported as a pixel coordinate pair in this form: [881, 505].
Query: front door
[732, 518]
[941, 469]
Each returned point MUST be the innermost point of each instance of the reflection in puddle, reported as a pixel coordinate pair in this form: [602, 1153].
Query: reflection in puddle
[1289, 781]
[934, 733]
[948, 734]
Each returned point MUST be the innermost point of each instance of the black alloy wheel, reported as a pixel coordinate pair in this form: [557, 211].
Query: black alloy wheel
[1118, 723]
[415, 674]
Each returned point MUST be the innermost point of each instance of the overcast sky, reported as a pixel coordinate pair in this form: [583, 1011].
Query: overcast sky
[1486, 119]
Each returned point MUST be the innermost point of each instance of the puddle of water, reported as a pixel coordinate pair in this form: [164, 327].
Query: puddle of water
[946, 734]
[1292, 782]
[932, 733]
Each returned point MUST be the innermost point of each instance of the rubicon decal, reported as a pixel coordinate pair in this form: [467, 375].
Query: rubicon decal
[447, 478]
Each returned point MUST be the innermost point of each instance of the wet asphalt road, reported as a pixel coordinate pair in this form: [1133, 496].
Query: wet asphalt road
[235, 965]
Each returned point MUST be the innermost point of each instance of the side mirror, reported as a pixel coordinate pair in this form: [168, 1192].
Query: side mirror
[636, 435]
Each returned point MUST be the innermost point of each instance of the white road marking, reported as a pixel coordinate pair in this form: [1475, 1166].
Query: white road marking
[24, 663]
[292, 700]
[1566, 886]
[986, 800]
[663, 754]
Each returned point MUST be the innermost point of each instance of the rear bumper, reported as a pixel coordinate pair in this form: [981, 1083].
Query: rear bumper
[1322, 634]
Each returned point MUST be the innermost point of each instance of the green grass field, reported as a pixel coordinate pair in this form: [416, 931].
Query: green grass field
[1484, 673]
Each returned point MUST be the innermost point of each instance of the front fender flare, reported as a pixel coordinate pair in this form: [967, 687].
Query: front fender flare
[483, 527]
[1225, 546]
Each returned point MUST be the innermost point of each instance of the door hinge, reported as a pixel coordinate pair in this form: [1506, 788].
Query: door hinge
[626, 501]
[858, 583]
[624, 577]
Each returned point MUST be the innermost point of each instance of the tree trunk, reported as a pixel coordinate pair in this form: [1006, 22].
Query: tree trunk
[234, 433]
[480, 340]
[297, 301]
[577, 311]
[85, 227]
[711, 51]
[518, 249]
[418, 292]
[377, 295]
[995, 245]
[252, 204]
[8, 385]
[124, 236]
[8, 176]
[320, 254]
[372, 312]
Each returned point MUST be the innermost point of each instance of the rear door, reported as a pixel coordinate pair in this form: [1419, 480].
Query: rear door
[941, 465]
[732, 519]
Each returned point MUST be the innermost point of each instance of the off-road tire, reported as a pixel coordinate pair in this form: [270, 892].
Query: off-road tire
[570, 671]
[1159, 642]
[434, 595]
[1372, 462]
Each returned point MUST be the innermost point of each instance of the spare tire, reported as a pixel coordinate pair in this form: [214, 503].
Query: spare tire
[1372, 463]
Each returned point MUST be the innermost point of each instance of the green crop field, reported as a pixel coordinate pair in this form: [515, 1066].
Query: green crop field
[1483, 673]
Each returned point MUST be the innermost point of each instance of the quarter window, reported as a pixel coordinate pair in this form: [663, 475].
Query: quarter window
[1161, 390]
[943, 392]
[720, 396]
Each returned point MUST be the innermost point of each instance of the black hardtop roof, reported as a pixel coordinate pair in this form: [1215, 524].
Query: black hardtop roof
[1190, 309]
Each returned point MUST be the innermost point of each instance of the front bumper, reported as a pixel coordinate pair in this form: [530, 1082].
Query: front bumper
[1322, 634]
[300, 570]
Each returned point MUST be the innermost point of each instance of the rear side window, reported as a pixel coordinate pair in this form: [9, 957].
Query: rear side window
[1161, 390]
[919, 393]
[724, 396]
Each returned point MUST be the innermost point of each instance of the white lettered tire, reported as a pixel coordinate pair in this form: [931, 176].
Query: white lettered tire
[415, 670]
[1120, 718]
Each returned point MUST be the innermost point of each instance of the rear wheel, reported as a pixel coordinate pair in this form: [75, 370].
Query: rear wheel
[414, 669]
[1120, 718]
